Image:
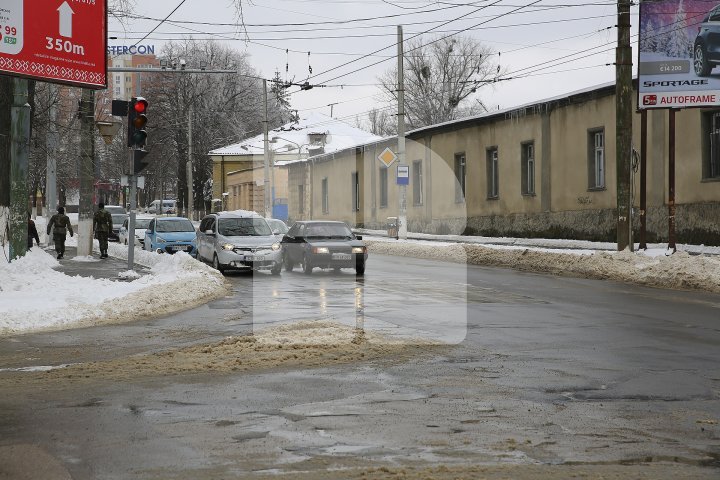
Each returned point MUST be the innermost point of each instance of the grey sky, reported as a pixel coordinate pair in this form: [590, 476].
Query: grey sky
[529, 41]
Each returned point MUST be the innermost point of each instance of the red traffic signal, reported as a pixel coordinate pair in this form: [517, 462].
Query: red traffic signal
[136, 123]
[140, 105]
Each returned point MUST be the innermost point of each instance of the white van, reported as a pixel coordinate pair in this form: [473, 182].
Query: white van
[158, 208]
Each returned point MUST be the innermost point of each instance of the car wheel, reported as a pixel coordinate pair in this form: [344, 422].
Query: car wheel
[307, 266]
[360, 268]
[700, 62]
[289, 265]
[217, 265]
[276, 269]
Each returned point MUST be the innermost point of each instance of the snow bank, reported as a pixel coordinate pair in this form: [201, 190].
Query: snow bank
[678, 271]
[34, 296]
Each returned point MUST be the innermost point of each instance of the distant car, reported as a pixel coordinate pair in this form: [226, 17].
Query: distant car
[277, 226]
[239, 240]
[323, 244]
[706, 48]
[119, 215]
[141, 224]
[166, 207]
[170, 235]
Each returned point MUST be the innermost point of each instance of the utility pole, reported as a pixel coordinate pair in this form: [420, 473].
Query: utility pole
[266, 190]
[402, 212]
[190, 201]
[19, 142]
[623, 125]
[87, 172]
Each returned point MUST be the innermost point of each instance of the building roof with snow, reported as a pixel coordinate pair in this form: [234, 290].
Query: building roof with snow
[312, 134]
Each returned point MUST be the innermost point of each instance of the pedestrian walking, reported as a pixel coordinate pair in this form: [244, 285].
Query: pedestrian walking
[32, 233]
[60, 225]
[102, 225]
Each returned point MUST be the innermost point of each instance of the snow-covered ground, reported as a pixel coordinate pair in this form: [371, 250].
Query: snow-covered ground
[34, 296]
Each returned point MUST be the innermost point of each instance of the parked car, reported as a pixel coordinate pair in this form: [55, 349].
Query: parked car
[706, 48]
[323, 244]
[119, 215]
[170, 235]
[141, 224]
[164, 207]
[277, 226]
[239, 240]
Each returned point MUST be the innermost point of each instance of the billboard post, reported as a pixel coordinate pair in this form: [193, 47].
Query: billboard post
[678, 50]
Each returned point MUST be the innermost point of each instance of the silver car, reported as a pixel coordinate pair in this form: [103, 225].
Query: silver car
[238, 240]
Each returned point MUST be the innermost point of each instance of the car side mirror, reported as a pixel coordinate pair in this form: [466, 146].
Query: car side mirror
[209, 232]
[358, 237]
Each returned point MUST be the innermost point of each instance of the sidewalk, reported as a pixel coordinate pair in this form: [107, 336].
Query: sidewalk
[94, 266]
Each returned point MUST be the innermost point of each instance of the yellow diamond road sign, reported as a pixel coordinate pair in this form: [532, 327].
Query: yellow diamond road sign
[387, 157]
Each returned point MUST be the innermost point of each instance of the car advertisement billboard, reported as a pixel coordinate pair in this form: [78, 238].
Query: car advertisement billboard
[679, 50]
[61, 41]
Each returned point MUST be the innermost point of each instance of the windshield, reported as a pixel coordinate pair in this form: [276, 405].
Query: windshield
[329, 230]
[277, 225]
[142, 223]
[175, 226]
[242, 227]
[168, 204]
[118, 218]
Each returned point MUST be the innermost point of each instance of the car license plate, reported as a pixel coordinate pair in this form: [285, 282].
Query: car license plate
[255, 258]
[177, 247]
[341, 256]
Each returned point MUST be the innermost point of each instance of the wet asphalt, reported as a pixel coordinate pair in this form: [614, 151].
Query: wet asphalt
[543, 369]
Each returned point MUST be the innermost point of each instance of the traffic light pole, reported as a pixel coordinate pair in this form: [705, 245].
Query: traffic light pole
[133, 206]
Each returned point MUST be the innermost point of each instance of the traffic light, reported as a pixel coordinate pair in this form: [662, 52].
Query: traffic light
[139, 162]
[136, 122]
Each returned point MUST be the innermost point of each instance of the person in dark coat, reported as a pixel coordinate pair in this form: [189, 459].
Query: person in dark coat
[102, 224]
[32, 233]
[61, 224]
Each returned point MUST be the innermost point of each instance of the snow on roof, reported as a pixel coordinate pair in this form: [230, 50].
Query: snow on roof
[294, 135]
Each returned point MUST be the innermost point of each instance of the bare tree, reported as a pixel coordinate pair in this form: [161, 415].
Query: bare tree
[225, 108]
[379, 121]
[442, 78]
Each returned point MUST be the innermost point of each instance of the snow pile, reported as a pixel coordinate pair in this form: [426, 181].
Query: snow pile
[306, 343]
[677, 271]
[33, 296]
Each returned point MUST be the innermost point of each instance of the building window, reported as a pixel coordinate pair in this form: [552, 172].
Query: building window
[493, 175]
[383, 187]
[117, 78]
[528, 169]
[325, 203]
[596, 159]
[301, 198]
[417, 180]
[128, 79]
[355, 178]
[460, 177]
[117, 90]
[711, 160]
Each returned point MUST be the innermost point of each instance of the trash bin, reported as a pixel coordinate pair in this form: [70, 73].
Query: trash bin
[392, 227]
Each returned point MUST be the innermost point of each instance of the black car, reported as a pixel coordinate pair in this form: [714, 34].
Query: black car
[323, 244]
[706, 49]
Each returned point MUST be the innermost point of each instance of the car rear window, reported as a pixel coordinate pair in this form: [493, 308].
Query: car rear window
[243, 227]
[175, 226]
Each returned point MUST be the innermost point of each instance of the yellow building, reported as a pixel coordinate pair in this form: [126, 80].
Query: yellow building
[239, 169]
[546, 169]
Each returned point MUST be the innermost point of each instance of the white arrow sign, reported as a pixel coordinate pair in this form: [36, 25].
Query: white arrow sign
[66, 14]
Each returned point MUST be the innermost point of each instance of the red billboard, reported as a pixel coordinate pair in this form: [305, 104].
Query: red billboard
[61, 41]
